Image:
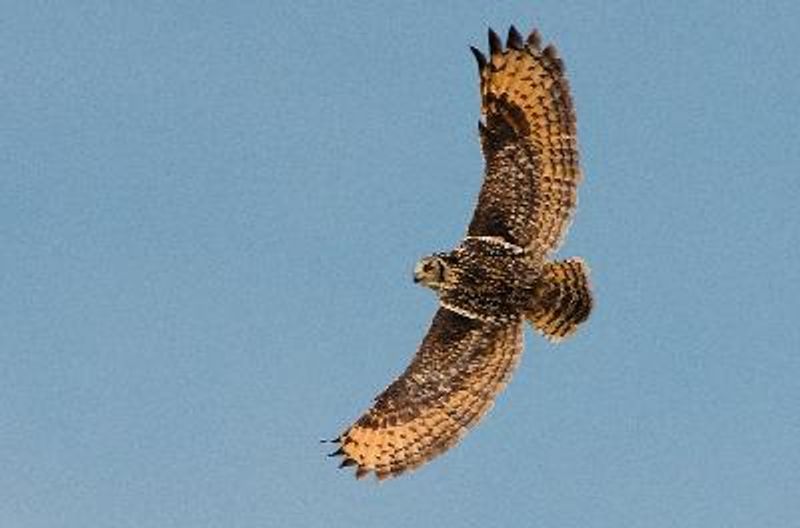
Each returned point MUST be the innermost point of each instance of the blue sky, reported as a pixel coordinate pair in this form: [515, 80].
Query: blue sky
[209, 213]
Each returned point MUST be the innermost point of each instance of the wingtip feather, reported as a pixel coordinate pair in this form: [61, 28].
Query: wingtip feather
[495, 44]
[535, 40]
[479, 57]
[514, 40]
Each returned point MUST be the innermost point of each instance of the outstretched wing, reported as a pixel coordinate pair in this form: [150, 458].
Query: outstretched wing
[451, 383]
[529, 142]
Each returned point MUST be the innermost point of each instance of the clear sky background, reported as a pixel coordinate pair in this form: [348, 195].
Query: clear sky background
[209, 214]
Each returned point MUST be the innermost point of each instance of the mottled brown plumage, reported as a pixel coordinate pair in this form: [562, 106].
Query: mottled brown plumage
[461, 364]
[564, 300]
[498, 277]
[529, 141]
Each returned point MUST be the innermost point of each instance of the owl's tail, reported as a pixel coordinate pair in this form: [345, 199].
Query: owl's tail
[564, 301]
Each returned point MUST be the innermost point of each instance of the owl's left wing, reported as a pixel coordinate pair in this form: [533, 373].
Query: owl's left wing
[451, 383]
[529, 143]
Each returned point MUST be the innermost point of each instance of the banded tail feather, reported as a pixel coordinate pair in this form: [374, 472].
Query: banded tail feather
[565, 300]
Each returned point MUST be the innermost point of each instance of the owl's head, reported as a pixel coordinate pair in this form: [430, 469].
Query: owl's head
[433, 272]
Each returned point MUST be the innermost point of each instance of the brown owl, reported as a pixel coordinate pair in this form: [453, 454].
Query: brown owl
[498, 277]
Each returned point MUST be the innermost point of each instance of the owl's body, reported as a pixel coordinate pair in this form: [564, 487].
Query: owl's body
[498, 277]
[489, 279]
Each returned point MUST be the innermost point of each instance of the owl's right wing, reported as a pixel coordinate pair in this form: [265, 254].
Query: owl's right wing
[529, 142]
[451, 383]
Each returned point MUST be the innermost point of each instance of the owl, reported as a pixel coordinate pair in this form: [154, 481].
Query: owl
[500, 277]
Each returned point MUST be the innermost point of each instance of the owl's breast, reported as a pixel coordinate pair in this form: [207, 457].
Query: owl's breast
[491, 284]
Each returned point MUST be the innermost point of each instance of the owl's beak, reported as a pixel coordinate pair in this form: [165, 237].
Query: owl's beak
[417, 274]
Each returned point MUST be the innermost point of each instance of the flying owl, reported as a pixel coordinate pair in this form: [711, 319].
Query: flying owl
[500, 276]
